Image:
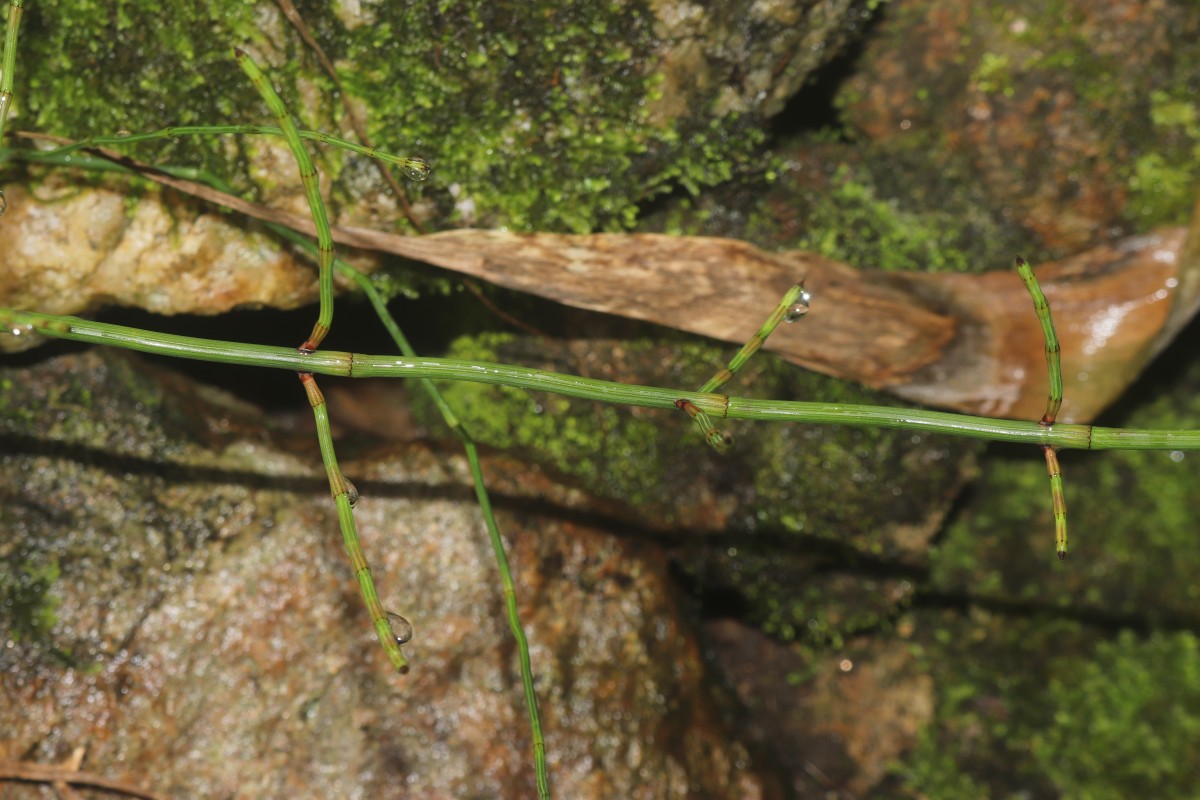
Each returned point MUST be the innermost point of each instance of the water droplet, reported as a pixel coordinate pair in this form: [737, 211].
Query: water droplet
[3, 203]
[797, 309]
[401, 628]
[416, 169]
[351, 491]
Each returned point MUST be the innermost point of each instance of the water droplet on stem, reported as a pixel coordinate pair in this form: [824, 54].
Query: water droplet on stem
[797, 309]
[416, 169]
[401, 628]
[351, 491]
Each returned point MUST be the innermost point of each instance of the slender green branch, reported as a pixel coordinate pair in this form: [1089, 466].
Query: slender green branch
[394, 622]
[391, 629]
[328, 362]
[308, 177]
[1058, 501]
[481, 494]
[1053, 402]
[790, 308]
[9, 65]
[345, 496]
[514, 620]
[415, 168]
[1053, 351]
[718, 440]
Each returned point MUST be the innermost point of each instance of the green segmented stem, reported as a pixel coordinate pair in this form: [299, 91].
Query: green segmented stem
[419, 170]
[1058, 500]
[337, 482]
[340, 489]
[415, 168]
[9, 66]
[792, 306]
[1053, 352]
[343, 492]
[1053, 403]
[789, 307]
[721, 442]
[485, 505]
[308, 176]
[346, 517]
[355, 365]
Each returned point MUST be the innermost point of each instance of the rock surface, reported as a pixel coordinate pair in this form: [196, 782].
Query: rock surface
[177, 604]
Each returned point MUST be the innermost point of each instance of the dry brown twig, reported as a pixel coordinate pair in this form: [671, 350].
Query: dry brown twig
[66, 775]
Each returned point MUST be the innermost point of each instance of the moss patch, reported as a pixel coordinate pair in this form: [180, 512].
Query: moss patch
[533, 115]
[1076, 677]
[28, 603]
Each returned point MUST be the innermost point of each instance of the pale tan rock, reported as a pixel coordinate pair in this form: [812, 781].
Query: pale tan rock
[74, 251]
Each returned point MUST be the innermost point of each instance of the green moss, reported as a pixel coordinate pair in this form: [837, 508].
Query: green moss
[870, 210]
[90, 67]
[852, 224]
[1030, 671]
[533, 115]
[28, 604]
[1109, 94]
[994, 74]
[1132, 520]
[1051, 709]
[1127, 723]
[536, 115]
[1161, 186]
[933, 773]
[991, 671]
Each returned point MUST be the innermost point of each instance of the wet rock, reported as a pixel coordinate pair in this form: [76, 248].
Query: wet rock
[1067, 113]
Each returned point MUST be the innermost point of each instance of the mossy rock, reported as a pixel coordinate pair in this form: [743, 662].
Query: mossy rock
[534, 116]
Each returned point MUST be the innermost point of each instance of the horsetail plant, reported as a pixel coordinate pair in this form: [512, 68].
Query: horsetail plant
[703, 405]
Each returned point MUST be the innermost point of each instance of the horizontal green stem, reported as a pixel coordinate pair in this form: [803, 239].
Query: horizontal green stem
[354, 365]
[415, 168]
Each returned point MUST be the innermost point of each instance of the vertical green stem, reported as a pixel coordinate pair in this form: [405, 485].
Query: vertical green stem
[15, 7]
[485, 507]
[1053, 352]
[7, 67]
[344, 497]
[541, 772]
[1053, 403]
[514, 621]
[1058, 500]
[308, 176]
[343, 493]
